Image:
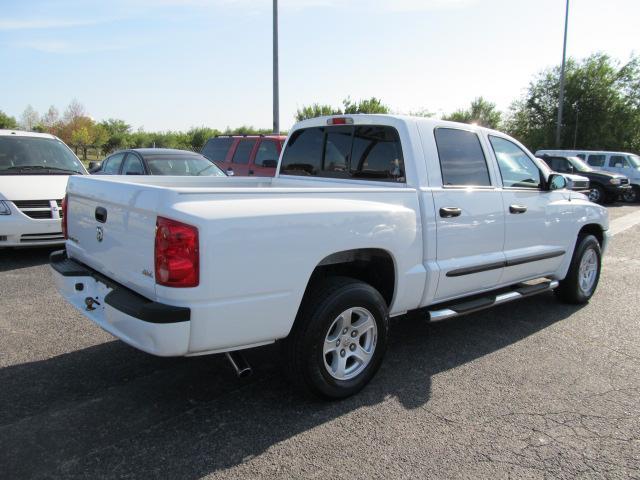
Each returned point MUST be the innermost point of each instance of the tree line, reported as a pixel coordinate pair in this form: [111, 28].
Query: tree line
[78, 130]
[601, 112]
[601, 107]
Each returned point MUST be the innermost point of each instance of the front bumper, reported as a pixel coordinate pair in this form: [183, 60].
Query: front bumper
[617, 189]
[149, 326]
[18, 230]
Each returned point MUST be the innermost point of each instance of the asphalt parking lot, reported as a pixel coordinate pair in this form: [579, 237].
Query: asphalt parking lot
[531, 389]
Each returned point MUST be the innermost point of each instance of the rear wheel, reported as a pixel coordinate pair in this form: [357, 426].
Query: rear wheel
[597, 194]
[339, 338]
[584, 272]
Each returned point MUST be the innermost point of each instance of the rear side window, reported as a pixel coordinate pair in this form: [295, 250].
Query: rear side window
[462, 160]
[581, 156]
[596, 160]
[243, 152]
[368, 152]
[113, 164]
[216, 149]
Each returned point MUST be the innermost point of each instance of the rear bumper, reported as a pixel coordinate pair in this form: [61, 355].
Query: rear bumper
[18, 230]
[150, 326]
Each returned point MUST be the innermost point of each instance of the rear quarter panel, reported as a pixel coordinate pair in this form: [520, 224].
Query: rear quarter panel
[259, 251]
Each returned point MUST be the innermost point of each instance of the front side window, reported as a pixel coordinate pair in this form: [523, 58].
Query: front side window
[634, 160]
[462, 160]
[618, 161]
[596, 160]
[243, 152]
[559, 164]
[267, 155]
[113, 163]
[367, 152]
[518, 170]
[133, 165]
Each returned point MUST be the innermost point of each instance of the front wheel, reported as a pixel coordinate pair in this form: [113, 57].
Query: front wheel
[584, 272]
[339, 338]
[597, 194]
[632, 195]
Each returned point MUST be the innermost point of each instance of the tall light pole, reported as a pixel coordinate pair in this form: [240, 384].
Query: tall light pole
[276, 94]
[564, 58]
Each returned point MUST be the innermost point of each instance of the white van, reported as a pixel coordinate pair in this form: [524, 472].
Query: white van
[624, 163]
[34, 169]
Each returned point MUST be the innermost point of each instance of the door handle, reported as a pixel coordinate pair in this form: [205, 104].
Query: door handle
[450, 212]
[517, 208]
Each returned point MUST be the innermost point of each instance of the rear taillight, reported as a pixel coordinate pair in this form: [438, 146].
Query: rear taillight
[340, 121]
[176, 254]
[65, 214]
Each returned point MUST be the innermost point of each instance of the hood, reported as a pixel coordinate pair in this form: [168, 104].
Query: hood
[602, 174]
[33, 187]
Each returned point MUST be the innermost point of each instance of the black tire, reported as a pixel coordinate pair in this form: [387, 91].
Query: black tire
[570, 290]
[597, 194]
[633, 195]
[303, 356]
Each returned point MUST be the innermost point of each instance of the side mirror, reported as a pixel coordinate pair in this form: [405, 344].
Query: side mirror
[556, 182]
[93, 166]
[230, 172]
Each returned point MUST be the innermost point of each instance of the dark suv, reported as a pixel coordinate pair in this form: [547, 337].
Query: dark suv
[603, 186]
[245, 155]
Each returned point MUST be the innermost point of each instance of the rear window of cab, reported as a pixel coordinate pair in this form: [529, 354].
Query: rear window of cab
[363, 152]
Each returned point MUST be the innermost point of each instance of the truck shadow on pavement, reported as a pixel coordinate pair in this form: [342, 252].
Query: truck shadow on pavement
[14, 259]
[111, 411]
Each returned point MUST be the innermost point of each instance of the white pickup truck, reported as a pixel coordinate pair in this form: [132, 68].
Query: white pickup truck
[368, 217]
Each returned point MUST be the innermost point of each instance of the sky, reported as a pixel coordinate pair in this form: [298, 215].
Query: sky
[175, 64]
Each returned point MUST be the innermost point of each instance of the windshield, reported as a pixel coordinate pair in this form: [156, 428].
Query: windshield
[634, 160]
[178, 165]
[36, 155]
[580, 165]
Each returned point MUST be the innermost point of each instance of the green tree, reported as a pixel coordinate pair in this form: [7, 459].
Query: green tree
[315, 110]
[81, 138]
[198, 136]
[480, 112]
[7, 121]
[99, 136]
[601, 106]
[371, 105]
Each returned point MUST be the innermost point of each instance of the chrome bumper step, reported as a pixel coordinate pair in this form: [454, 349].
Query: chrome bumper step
[459, 307]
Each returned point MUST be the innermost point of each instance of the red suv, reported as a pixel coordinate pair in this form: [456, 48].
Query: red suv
[245, 155]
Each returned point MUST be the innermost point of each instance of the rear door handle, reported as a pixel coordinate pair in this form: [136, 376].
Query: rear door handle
[450, 212]
[517, 208]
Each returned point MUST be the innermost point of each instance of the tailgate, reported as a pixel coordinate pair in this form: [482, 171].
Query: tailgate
[111, 228]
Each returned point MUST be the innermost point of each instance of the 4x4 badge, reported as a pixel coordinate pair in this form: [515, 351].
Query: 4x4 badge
[99, 234]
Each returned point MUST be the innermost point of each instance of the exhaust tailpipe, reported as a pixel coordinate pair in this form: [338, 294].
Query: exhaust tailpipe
[239, 364]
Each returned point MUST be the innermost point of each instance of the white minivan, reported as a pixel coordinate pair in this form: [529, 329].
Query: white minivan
[34, 169]
[624, 163]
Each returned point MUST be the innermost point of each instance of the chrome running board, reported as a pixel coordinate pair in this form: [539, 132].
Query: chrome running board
[491, 299]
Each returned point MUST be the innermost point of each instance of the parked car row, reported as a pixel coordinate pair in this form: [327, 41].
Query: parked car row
[34, 169]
